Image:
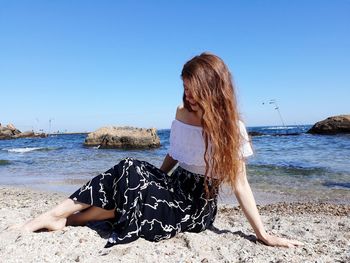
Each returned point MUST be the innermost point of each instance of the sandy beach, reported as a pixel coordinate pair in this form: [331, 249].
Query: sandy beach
[324, 228]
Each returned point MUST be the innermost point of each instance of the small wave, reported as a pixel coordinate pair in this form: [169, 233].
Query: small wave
[289, 169]
[282, 128]
[337, 185]
[30, 149]
[5, 162]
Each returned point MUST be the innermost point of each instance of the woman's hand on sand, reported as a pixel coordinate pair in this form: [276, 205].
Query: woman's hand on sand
[275, 241]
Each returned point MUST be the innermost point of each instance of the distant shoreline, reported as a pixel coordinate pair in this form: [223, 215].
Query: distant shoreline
[67, 133]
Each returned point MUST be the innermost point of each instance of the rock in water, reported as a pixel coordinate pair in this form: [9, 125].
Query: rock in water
[11, 132]
[29, 134]
[11, 127]
[123, 137]
[332, 125]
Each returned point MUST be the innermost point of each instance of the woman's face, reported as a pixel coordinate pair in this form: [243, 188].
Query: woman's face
[189, 97]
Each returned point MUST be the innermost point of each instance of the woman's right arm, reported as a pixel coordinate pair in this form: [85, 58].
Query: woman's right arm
[168, 164]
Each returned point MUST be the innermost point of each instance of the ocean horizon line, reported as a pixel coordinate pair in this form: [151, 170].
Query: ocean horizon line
[159, 129]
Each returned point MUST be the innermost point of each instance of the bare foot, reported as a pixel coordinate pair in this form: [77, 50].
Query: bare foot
[45, 221]
[14, 227]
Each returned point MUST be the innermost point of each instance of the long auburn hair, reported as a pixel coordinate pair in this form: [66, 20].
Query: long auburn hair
[211, 85]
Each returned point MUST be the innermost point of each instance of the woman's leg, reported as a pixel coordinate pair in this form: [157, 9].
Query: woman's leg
[56, 218]
[92, 213]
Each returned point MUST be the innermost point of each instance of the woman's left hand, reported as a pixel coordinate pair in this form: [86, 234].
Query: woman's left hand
[275, 241]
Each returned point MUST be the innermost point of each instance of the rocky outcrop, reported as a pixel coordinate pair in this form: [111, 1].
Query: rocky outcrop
[11, 132]
[332, 125]
[123, 137]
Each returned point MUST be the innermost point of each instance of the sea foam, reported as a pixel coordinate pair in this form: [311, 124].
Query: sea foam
[26, 149]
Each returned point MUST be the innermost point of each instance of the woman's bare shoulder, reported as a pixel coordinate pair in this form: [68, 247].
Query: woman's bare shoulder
[185, 116]
[181, 113]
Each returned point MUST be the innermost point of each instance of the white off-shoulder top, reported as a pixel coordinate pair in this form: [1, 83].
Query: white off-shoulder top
[187, 146]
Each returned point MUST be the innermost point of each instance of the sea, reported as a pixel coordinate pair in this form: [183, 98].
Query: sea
[287, 162]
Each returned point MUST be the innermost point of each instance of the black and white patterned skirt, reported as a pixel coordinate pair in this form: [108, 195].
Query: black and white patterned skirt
[148, 203]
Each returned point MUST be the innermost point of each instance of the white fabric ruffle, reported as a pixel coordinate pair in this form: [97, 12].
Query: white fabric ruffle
[187, 145]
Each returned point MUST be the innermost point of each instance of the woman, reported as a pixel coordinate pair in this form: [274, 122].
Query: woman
[209, 143]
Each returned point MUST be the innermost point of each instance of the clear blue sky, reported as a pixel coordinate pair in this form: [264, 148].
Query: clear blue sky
[87, 64]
